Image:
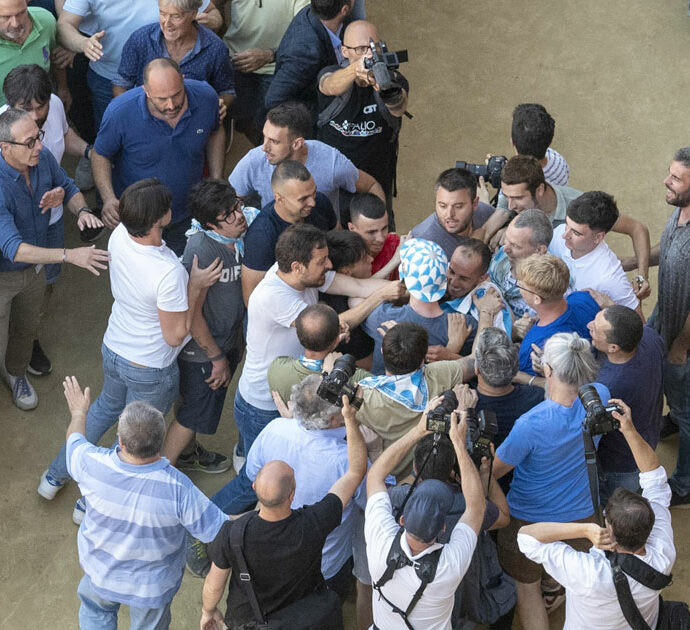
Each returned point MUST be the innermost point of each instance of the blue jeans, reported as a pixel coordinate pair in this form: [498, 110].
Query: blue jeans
[123, 382]
[96, 613]
[677, 390]
[609, 481]
[237, 496]
[101, 95]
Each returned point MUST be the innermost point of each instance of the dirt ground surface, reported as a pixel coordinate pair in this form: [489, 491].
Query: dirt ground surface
[611, 74]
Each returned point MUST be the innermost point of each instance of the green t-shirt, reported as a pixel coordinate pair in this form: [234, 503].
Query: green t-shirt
[35, 49]
[285, 372]
[391, 420]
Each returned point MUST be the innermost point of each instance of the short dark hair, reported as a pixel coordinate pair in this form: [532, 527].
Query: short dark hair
[293, 115]
[367, 205]
[480, 248]
[523, 169]
[287, 170]
[317, 327]
[631, 518]
[345, 248]
[438, 466]
[160, 62]
[682, 156]
[532, 130]
[296, 244]
[457, 179]
[327, 9]
[404, 347]
[209, 198]
[142, 204]
[26, 83]
[626, 327]
[596, 209]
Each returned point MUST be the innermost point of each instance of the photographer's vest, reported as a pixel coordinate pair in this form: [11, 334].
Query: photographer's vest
[425, 568]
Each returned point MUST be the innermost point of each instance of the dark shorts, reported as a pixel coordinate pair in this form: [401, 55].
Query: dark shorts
[200, 407]
[516, 564]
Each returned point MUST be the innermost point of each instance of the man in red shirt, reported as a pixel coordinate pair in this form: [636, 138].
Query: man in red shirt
[369, 219]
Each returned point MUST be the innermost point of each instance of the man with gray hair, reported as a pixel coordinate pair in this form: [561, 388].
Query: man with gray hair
[138, 507]
[313, 442]
[530, 232]
[496, 364]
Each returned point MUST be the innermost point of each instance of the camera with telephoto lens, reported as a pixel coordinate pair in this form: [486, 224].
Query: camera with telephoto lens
[491, 171]
[438, 420]
[598, 418]
[334, 385]
[382, 62]
[481, 430]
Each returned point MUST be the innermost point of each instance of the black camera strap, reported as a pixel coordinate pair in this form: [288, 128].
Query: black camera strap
[591, 461]
[415, 481]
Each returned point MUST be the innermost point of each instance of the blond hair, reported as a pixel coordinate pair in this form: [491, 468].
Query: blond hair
[547, 275]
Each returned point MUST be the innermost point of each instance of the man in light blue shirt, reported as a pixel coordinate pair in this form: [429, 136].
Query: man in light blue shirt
[138, 508]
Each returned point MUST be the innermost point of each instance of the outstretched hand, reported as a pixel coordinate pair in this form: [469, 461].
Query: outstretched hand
[77, 401]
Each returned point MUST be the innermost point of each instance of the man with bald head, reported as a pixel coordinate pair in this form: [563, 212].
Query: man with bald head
[295, 200]
[166, 129]
[282, 545]
[355, 116]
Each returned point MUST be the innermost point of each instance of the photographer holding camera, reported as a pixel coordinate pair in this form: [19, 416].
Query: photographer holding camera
[357, 116]
[414, 548]
[635, 526]
[546, 449]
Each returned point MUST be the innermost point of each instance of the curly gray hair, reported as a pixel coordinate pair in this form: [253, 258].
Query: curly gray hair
[312, 411]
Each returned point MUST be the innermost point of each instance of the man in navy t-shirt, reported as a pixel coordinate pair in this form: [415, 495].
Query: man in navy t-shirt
[296, 201]
[543, 280]
[632, 366]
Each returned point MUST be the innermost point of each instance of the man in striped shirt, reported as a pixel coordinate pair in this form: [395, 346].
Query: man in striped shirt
[138, 509]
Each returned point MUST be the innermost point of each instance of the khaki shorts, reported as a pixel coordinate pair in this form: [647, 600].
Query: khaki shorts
[515, 563]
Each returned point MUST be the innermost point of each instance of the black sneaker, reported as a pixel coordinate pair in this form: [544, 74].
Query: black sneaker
[203, 461]
[197, 560]
[40, 364]
[680, 501]
[668, 427]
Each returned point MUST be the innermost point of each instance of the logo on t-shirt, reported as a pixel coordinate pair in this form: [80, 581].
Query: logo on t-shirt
[199, 131]
[369, 109]
[357, 130]
[46, 54]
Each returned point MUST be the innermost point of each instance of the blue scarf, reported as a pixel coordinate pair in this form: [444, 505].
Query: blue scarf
[315, 365]
[464, 305]
[249, 214]
[410, 390]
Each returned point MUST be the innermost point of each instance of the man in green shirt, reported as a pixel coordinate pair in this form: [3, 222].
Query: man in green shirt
[27, 35]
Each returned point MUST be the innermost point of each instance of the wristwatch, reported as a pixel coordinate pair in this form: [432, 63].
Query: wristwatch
[84, 209]
[87, 151]
[640, 280]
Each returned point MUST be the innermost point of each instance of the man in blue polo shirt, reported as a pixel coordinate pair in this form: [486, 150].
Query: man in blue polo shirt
[165, 129]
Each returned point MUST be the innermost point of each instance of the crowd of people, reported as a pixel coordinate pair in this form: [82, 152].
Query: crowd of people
[413, 410]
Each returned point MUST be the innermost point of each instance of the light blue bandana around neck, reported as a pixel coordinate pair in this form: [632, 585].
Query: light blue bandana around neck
[249, 214]
[410, 390]
[315, 365]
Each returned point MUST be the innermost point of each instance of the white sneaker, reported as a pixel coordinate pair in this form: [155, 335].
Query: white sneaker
[79, 511]
[49, 486]
[237, 460]
[24, 396]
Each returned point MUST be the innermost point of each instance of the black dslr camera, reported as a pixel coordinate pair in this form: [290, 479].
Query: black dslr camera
[335, 384]
[381, 63]
[438, 420]
[598, 418]
[491, 172]
[481, 431]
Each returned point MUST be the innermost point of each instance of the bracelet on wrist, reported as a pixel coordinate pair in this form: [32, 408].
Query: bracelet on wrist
[64, 255]
[84, 209]
[532, 380]
[216, 358]
[87, 151]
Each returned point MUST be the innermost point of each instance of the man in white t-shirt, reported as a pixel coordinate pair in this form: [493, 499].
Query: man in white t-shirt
[154, 300]
[422, 519]
[580, 243]
[635, 525]
[302, 270]
[28, 87]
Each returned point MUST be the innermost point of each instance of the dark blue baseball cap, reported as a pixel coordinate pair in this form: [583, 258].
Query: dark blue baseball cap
[426, 510]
